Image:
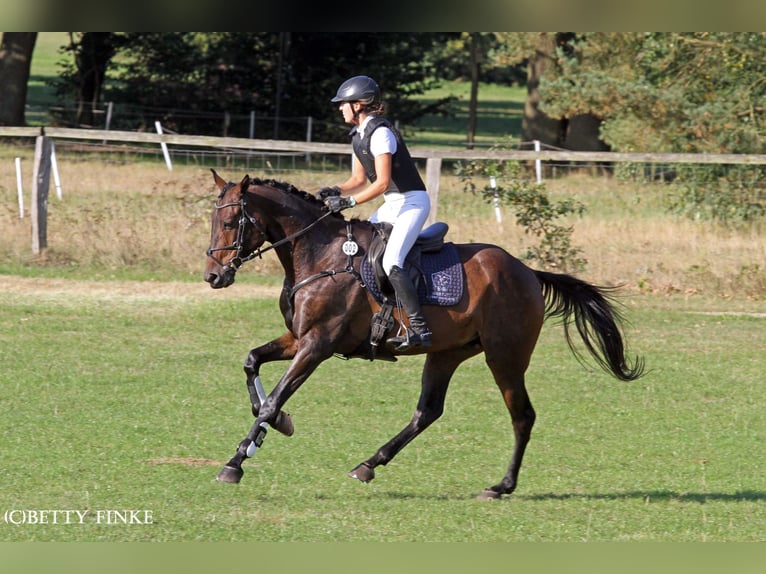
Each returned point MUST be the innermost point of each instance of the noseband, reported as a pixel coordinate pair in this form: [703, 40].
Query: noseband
[238, 245]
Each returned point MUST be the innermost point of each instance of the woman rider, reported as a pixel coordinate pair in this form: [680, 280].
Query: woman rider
[382, 159]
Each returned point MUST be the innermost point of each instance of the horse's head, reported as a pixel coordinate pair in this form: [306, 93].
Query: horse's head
[235, 236]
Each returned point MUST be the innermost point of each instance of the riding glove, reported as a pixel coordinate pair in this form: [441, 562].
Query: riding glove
[335, 203]
[326, 192]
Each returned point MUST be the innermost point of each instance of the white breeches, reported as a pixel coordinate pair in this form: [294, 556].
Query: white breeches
[408, 213]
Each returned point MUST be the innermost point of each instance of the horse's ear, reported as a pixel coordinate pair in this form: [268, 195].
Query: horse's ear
[245, 183]
[219, 181]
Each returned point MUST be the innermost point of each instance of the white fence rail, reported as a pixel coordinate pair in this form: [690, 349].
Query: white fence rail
[433, 157]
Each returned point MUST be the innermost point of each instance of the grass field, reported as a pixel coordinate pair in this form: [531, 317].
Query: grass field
[121, 385]
[130, 396]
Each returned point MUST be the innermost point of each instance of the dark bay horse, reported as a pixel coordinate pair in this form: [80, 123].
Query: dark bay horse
[328, 311]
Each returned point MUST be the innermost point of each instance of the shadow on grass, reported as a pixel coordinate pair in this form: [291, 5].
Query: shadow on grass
[647, 496]
[654, 496]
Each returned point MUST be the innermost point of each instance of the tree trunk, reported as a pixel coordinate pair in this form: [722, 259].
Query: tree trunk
[474, 102]
[94, 53]
[15, 61]
[580, 132]
[536, 125]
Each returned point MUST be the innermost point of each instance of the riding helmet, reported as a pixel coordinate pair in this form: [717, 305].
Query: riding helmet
[358, 89]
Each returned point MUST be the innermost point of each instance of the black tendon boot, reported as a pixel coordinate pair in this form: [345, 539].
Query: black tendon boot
[418, 334]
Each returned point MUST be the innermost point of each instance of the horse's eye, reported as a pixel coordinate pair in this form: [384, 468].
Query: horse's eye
[228, 225]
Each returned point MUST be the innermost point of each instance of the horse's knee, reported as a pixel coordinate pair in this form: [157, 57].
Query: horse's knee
[252, 365]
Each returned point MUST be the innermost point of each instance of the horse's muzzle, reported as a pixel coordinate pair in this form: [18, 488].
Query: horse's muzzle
[220, 280]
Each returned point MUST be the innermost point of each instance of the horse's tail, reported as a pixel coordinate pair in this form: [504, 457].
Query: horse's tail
[596, 318]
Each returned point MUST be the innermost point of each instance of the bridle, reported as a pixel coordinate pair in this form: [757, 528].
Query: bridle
[244, 218]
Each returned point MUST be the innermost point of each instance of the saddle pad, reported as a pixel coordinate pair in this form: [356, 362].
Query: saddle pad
[443, 274]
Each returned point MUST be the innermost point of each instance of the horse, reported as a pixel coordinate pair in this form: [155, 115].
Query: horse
[328, 308]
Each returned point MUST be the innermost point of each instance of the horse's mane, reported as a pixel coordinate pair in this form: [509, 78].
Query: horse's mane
[288, 188]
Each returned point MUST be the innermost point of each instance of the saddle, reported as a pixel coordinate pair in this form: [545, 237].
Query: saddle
[430, 240]
[433, 265]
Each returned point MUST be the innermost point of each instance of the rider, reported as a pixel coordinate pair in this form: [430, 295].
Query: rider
[381, 156]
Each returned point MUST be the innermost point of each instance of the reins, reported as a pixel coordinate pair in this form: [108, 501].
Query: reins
[350, 247]
[238, 246]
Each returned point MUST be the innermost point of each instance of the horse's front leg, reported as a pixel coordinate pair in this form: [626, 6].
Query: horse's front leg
[281, 349]
[303, 364]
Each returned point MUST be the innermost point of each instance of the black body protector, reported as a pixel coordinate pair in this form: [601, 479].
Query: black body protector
[404, 174]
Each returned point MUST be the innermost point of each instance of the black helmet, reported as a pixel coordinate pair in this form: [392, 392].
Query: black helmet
[358, 89]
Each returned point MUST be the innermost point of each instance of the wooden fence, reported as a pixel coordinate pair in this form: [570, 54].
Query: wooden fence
[433, 157]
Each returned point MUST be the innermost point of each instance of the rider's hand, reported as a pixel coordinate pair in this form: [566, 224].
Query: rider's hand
[336, 203]
[326, 192]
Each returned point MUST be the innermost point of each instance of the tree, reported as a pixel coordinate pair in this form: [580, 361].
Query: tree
[190, 80]
[666, 92]
[15, 61]
[543, 52]
[84, 79]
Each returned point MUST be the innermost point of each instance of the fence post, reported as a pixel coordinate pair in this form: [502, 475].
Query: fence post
[108, 120]
[538, 164]
[433, 175]
[309, 127]
[164, 146]
[496, 200]
[19, 188]
[40, 185]
[55, 168]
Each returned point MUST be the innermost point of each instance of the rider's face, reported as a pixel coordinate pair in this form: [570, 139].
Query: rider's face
[347, 109]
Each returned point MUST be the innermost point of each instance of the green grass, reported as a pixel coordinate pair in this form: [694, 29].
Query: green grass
[46, 60]
[500, 111]
[120, 403]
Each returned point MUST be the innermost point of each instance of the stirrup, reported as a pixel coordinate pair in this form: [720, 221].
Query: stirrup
[411, 339]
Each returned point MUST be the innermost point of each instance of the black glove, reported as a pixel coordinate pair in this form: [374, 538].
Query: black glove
[336, 203]
[326, 192]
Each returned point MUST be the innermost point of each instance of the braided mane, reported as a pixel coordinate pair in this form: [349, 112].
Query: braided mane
[288, 188]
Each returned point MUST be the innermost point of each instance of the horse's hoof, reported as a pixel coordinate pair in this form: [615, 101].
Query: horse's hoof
[230, 474]
[284, 424]
[362, 472]
[489, 494]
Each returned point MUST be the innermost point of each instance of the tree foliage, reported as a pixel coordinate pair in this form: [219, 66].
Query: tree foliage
[189, 80]
[665, 92]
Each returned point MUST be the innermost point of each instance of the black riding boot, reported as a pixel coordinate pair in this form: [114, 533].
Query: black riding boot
[418, 334]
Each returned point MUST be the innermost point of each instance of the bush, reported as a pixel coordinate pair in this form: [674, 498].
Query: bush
[533, 208]
[721, 193]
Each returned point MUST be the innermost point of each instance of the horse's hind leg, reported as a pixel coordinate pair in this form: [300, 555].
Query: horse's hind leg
[437, 372]
[511, 385]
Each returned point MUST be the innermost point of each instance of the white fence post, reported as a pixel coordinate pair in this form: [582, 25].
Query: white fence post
[538, 164]
[496, 200]
[19, 188]
[55, 168]
[164, 147]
